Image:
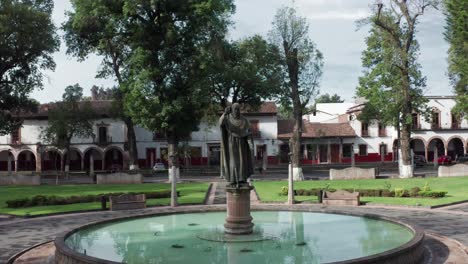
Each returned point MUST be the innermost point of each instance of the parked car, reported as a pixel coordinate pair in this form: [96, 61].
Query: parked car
[444, 160]
[159, 166]
[419, 160]
[462, 159]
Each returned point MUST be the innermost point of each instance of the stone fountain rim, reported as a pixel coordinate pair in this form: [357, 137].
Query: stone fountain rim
[407, 248]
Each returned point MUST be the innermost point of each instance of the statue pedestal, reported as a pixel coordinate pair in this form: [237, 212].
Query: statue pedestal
[238, 220]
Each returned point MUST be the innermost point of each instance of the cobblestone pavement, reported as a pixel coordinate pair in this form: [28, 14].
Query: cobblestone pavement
[20, 234]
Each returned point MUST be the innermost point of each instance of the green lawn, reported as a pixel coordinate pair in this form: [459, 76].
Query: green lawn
[457, 187]
[190, 193]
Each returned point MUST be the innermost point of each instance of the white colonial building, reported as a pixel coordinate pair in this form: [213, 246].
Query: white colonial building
[332, 134]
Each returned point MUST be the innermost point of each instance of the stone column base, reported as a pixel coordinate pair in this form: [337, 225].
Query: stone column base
[238, 220]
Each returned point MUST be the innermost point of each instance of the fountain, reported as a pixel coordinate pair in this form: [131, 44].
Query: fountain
[278, 236]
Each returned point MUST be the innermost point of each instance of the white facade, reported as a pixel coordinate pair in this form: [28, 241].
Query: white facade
[445, 136]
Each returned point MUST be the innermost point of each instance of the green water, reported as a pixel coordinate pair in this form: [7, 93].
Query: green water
[286, 237]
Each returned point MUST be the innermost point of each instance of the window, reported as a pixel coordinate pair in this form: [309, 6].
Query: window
[347, 150]
[16, 137]
[435, 119]
[362, 150]
[455, 121]
[102, 132]
[254, 128]
[415, 120]
[364, 129]
[158, 136]
[382, 130]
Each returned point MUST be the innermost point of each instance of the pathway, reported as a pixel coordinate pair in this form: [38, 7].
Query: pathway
[20, 234]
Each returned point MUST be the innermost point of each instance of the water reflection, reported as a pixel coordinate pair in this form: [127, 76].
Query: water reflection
[293, 237]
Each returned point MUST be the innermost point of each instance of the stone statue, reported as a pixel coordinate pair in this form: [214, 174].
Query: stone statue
[235, 139]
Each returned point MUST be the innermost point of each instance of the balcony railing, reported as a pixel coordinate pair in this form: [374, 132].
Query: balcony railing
[382, 133]
[102, 141]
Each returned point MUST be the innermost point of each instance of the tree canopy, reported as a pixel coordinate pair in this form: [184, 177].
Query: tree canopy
[244, 71]
[456, 34]
[392, 82]
[302, 65]
[27, 41]
[99, 27]
[69, 118]
[327, 98]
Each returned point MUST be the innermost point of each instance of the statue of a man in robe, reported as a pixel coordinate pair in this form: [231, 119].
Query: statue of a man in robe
[235, 139]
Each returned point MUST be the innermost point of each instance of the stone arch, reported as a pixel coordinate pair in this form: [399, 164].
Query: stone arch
[436, 142]
[5, 155]
[76, 159]
[418, 145]
[113, 158]
[26, 160]
[98, 157]
[51, 159]
[455, 147]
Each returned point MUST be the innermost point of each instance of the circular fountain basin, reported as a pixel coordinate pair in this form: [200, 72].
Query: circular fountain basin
[278, 237]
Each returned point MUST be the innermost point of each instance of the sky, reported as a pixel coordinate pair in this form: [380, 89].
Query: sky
[332, 27]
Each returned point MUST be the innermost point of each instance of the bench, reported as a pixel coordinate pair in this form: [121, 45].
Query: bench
[340, 197]
[127, 202]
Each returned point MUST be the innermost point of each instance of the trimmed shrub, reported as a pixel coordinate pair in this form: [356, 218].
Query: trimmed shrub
[426, 187]
[433, 194]
[399, 192]
[40, 200]
[414, 192]
[284, 191]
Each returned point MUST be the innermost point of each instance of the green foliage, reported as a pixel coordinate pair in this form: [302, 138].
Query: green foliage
[326, 98]
[433, 194]
[456, 34]
[302, 65]
[41, 200]
[284, 190]
[414, 191]
[27, 42]
[245, 71]
[69, 118]
[399, 192]
[168, 85]
[382, 83]
[387, 185]
[426, 187]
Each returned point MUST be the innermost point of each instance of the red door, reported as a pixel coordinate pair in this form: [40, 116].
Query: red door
[335, 153]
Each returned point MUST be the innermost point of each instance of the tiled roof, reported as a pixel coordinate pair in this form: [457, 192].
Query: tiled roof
[104, 107]
[101, 107]
[316, 130]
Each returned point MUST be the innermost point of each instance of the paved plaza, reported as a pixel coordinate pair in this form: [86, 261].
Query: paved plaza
[20, 234]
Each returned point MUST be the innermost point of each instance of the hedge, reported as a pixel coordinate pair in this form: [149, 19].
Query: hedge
[397, 192]
[40, 200]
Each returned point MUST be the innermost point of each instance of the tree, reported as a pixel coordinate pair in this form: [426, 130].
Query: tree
[168, 83]
[97, 27]
[392, 81]
[326, 98]
[27, 41]
[302, 66]
[245, 71]
[68, 119]
[456, 34]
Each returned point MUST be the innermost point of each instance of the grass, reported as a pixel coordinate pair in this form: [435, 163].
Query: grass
[457, 188]
[190, 193]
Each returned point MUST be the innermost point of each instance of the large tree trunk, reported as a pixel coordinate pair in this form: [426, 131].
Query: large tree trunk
[406, 166]
[132, 146]
[67, 161]
[295, 141]
[173, 168]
